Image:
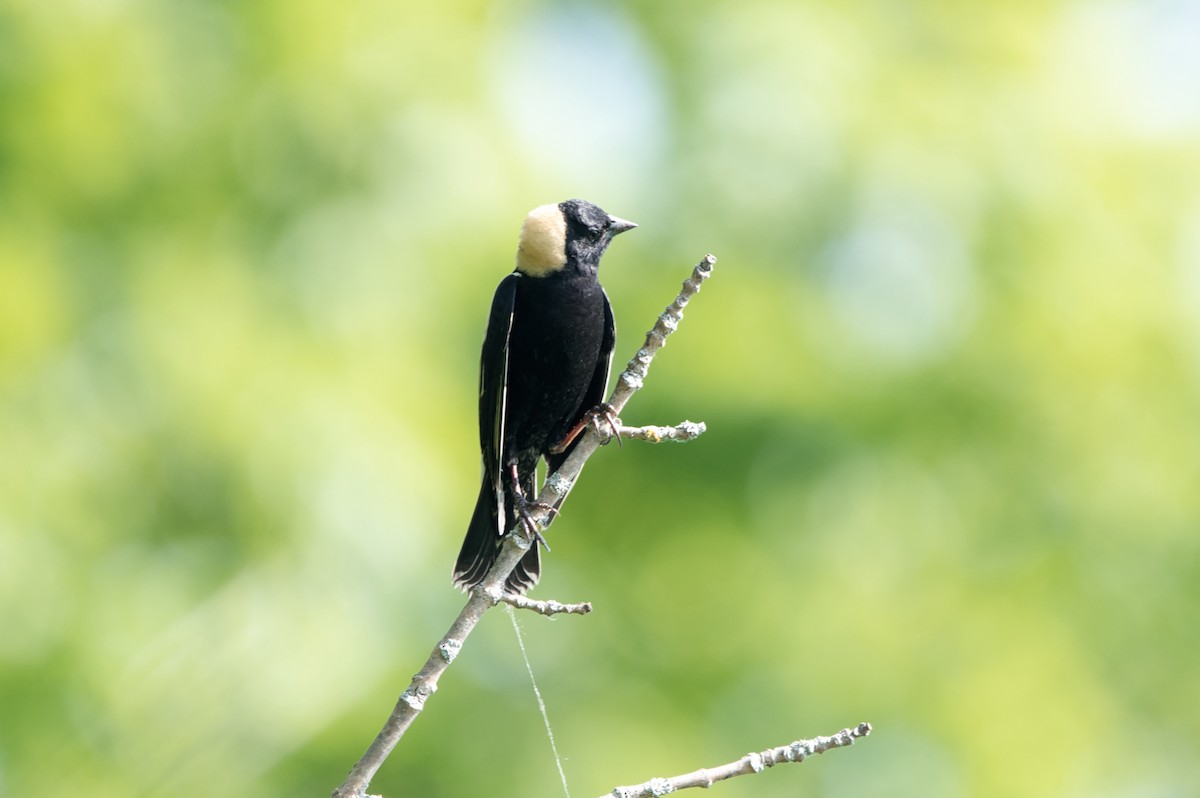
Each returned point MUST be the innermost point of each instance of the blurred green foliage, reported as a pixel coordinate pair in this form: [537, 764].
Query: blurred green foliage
[950, 364]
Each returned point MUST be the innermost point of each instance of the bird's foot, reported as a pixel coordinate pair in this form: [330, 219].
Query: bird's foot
[524, 507]
[606, 421]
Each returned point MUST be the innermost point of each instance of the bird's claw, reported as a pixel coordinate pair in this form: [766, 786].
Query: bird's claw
[601, 412]
[605, 411]
[524, 508]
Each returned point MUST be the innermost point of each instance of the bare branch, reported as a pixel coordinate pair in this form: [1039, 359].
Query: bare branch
[546, 608]
[516, 543]
[635, 372]
[559, 484]
[680, 433]
[750, 763]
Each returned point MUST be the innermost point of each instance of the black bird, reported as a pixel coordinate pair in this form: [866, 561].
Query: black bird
[544, 367]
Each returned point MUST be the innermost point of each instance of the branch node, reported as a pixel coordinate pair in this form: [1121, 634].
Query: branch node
[495, 594]
[414, 698]
[661, 787]
[449, 649]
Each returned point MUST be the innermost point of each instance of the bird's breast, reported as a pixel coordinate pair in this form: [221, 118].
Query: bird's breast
[553, 353]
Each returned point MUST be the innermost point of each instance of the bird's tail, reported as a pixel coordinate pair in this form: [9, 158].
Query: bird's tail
[481, 546]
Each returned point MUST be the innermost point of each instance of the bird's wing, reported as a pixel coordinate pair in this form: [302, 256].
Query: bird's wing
[493, 386]
[598, 387]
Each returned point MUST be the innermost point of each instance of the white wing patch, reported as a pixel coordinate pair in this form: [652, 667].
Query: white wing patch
[499, 427]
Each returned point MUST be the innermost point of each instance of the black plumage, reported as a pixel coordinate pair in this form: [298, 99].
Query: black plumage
[544, 365]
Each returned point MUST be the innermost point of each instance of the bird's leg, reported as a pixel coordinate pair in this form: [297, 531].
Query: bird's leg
[601, 412]
[522, 505]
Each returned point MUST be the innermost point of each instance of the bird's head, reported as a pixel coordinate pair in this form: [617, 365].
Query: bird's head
[572, 232]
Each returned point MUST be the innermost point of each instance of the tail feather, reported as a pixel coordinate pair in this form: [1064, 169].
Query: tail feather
[481, 547]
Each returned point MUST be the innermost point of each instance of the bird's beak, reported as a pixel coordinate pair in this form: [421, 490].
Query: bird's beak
[618, 225]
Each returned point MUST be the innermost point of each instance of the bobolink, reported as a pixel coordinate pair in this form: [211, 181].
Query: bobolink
[544, 367]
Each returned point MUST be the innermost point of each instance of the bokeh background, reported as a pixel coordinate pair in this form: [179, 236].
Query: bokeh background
[949, 360]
